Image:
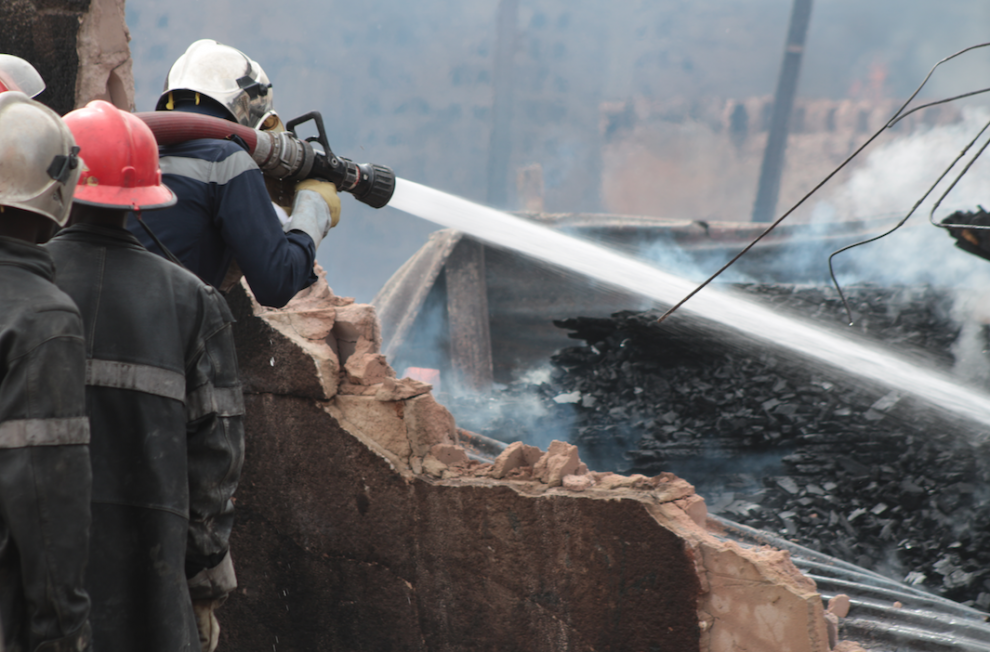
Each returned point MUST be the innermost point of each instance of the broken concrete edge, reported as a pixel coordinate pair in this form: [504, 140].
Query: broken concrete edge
[751, 596]
[102, 44]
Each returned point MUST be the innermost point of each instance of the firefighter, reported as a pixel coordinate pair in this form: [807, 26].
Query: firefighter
[224, 223]
[45, 478]
[164, 401]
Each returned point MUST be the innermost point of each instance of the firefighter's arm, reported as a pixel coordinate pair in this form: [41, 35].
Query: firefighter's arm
[276, 264]
[315, 210]
[215, 445]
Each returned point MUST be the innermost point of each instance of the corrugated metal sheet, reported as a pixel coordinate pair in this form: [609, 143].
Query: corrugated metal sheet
[922, 623]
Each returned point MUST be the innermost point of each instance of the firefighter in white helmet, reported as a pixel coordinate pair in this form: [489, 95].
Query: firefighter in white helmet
[224, 222]
[45, 478]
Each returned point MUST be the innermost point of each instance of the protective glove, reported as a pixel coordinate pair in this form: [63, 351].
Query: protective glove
[206, 623]
[311, 215]
[209, 589]
[326, 190]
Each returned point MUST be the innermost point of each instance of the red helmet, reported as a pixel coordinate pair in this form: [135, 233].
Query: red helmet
[121, 159]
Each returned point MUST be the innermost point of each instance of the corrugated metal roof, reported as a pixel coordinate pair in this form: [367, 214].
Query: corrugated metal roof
[921, 623]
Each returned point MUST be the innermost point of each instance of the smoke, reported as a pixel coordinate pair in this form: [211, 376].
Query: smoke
[894, 175]
[523, 411]
[409, 85]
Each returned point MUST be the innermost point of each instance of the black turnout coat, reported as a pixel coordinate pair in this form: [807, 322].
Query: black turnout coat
[166, 412]
[44, 458]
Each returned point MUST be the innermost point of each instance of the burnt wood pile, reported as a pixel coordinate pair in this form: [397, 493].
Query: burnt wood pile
[778, 444]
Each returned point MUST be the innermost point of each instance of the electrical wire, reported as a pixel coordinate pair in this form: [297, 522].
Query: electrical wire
[948, 225]
[893, 120]
[937, 102]
[831, 268]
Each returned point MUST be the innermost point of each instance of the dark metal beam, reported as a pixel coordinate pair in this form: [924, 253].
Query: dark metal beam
[783, 104]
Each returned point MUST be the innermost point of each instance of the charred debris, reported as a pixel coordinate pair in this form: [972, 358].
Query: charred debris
[856, 472]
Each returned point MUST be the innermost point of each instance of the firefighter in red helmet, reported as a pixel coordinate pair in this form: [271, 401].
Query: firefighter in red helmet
[164, 402]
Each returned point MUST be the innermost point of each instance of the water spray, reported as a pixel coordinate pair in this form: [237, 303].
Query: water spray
[753, 320]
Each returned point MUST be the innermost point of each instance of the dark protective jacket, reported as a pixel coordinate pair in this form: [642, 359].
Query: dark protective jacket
[165, 407]
[44, 458]
[224, 214]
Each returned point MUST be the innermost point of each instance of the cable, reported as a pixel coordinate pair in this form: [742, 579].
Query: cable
[936, 103]
[931, 215]
[165, 250]
[893, 120]
[831, 269]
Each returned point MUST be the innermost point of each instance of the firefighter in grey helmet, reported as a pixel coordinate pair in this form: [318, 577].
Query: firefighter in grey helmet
[45, 476]
[16, 74]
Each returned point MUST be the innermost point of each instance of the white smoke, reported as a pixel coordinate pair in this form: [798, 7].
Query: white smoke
[896, 174]
[891, 179]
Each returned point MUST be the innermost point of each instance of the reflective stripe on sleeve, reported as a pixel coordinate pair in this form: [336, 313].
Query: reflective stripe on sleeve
[220, 172]
[21, 433]
[136, 377]
[207, 399]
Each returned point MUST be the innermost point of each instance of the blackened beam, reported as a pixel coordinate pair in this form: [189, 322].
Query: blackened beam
[783, 104]
[467, 314]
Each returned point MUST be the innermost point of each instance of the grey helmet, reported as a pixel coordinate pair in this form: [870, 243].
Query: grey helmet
[39, 159]
[16, 74]
[226, 75]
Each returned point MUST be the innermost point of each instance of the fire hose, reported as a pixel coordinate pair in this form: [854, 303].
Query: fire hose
[282, 155]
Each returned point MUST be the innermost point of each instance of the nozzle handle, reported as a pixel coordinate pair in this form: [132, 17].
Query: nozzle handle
[370, 184]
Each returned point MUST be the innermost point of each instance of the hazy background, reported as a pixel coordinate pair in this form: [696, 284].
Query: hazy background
[408, 84]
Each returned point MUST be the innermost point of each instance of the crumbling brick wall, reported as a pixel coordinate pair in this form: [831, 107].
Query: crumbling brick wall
[362, 525]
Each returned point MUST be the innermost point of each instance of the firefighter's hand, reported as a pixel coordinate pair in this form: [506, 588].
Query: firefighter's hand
[311, 212]
[326, 190]
[206, 623]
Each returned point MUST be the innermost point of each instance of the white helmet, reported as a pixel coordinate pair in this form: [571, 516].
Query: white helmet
[16, 74]
[226, 75]
[39, 160]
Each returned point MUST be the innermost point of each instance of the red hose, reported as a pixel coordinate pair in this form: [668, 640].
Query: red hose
[178, 127]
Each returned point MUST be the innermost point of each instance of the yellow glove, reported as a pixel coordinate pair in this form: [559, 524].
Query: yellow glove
[206, 623]
[329, 193]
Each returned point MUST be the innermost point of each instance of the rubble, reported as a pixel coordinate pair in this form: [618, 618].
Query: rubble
[855, 472]
[362, 516]
[515, 456]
